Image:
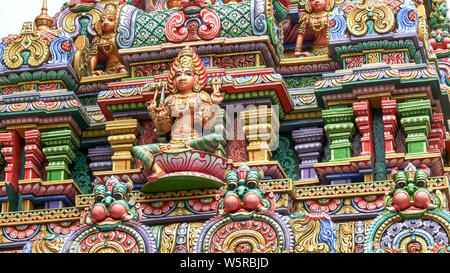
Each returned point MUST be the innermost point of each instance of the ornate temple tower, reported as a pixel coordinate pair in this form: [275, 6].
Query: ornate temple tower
[227, 127]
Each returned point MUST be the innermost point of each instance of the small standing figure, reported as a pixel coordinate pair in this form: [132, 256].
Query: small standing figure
[316, 17]
[104, 47]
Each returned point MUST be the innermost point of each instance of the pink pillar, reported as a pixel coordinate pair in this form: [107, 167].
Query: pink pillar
[33, 154]
[364, 121]
[389, 108]
[12, 150]
[436, 137]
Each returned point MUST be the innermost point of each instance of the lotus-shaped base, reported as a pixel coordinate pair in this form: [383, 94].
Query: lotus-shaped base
[187, 170]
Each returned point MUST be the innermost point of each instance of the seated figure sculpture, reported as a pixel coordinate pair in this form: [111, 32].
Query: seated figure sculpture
[104, 46]
[186, 113]
[316, 18]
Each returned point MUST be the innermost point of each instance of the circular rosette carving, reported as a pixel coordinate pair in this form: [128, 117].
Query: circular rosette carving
[370, 203]
[203, 205]
[63, 228]
[21, 232]
[158, 208]
[264, 233]
[126, 238]
[391, 233]
[328, 206]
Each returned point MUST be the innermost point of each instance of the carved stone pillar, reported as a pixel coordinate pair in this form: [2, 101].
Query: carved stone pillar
[33, 154]
[261, 127]
[308, 148]
[364, 121]
[415, 118]
[12, 152]
[340, 131]
[123, 136]
[59, 150]
[100, 157]
[389, 109]
[436, 137]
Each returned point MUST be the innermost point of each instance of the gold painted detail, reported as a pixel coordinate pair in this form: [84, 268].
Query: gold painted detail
[306, 236]
[346, 242]
[47, 246]
[68, 22]
[365, 10]
[168, 237]
[194, 230]
[359, 189]
[39, 216]
[28, 48]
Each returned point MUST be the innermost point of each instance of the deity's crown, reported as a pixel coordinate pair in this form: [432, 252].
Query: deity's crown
[187, 59]
[110, 9]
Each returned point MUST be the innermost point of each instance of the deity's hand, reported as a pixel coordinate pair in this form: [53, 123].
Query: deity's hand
[161, 112]
[151, 107]
[217, 97]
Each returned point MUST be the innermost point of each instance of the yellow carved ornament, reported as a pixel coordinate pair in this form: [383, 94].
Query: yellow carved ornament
[68, 22]
[382, 17]
[30, 43]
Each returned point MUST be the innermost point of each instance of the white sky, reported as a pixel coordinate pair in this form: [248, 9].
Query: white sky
[14, 12]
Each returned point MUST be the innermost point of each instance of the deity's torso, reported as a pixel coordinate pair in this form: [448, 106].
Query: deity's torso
[185, 110]
[318, 22]
[106, 48]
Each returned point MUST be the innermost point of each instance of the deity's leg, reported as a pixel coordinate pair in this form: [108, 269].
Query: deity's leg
[145, 153]
[208, 143]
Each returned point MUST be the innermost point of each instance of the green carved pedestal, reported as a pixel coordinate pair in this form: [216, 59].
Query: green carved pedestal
[340, 130]
[415, 117]
[59, 151]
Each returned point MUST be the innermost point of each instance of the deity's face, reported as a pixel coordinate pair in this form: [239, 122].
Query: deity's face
[318, 5]
[107, 23]
[184, 80]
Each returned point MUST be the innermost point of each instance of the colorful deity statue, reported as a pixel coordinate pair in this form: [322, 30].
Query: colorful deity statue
[112, 205]
[104, 46]
[438, 17]
[316, 18]
[243, 196]
[411, 197]
[187, 113]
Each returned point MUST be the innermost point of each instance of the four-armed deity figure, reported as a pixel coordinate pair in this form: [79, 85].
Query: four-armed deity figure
[316, 18]
[104, 47]
[187, 113]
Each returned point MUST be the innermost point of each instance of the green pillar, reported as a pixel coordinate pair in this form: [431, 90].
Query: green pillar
[415, 117]
[340, 130]
[59, 151]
